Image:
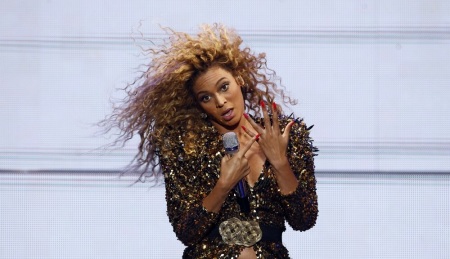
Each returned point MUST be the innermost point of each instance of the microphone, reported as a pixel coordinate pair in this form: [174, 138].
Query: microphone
[231, 145]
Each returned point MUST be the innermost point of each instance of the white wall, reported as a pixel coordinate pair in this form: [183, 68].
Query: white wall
[373, 76]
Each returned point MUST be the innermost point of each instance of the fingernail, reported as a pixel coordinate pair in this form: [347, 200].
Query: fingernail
[262, 104]
[246, 115]
[274, 105]
[257, 136]
[244, 128]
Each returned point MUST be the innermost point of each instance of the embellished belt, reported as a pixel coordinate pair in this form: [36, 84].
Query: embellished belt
[246, 233]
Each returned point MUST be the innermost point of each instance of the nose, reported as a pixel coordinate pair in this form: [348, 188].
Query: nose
[220, 101]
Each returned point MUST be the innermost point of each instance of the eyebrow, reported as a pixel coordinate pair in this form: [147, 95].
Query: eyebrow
[220, 80]
[217, 83]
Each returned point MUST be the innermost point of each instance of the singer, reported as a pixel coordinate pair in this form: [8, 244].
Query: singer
[196, 89]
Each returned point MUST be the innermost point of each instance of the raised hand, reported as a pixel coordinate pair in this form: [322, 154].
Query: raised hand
[272, 141]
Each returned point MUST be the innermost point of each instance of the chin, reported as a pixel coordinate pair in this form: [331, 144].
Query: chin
[232, 124]
[227, 125]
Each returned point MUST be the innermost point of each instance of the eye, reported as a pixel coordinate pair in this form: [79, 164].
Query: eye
[224, 87]
[205, 98]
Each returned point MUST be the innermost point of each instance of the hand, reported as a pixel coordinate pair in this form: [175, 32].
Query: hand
[272, 142]
[234, 168]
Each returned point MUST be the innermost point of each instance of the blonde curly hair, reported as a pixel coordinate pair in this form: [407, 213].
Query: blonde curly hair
[161, 97]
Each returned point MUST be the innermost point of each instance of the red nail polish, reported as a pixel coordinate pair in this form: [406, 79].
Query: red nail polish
[244, 128]
[262, 104]
[274, 106]
[246, 115]
[257, 137]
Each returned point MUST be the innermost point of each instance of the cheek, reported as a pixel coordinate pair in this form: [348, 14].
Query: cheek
[238, 95]
[207, 107]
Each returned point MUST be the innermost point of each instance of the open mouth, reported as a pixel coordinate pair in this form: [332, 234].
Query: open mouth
[228, 114]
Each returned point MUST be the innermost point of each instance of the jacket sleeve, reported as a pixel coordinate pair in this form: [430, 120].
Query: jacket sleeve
[301, 207]
[184, 195]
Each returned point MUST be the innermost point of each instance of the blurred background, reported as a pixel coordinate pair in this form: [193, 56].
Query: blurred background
[372, 76]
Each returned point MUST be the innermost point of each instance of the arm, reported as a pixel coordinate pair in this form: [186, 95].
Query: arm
[290, 152]
[301, 207]
[194, 198]
[184, 195]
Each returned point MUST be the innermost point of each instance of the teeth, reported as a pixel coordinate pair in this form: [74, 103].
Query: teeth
[227, 113]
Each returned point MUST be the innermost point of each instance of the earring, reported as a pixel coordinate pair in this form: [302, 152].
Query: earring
[203, 115]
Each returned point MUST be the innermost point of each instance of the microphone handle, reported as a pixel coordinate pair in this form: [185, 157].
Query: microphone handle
[242, 199]
[241, 189]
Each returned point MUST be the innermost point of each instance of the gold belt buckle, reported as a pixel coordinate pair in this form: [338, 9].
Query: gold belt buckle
[239, 232]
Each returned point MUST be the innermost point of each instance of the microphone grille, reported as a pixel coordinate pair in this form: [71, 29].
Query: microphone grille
[230, 142]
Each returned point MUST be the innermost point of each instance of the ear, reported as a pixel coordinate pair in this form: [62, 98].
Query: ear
[240, 81]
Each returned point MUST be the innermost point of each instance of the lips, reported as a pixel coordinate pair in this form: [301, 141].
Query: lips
[228, 114]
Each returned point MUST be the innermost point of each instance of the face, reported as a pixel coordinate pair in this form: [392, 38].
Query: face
[220, 97]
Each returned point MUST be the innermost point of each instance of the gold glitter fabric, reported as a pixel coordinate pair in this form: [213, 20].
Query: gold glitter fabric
[189, 178]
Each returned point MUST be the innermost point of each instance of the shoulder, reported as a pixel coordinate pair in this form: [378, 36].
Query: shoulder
[170, 143]
[299, 125]
[182, 144]
[300, 134]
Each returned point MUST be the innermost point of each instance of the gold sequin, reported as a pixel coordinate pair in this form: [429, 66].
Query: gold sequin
[190, 177]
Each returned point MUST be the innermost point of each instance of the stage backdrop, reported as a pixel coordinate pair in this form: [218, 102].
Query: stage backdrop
[372, 76]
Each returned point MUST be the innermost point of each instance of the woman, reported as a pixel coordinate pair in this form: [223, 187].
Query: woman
[194, 90]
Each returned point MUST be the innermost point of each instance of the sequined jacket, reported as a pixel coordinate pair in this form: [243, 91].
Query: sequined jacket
[190, 178]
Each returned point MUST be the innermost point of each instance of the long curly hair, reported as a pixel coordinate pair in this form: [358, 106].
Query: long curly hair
[161, 97]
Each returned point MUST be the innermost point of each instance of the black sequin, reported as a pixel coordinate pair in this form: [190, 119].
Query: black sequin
[190, 177]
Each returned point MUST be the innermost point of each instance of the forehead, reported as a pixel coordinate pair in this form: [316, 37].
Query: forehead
[211, 77]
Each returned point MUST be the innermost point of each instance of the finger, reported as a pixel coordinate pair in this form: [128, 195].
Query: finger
[225, 158]
[287, 129]
[275, 123]
[253, 123]
[248, 145]
[248, 132]
[265, 115]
